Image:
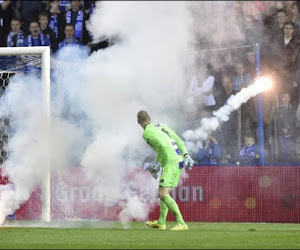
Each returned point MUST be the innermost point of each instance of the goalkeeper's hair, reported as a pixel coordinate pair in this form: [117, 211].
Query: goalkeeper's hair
[143, 116]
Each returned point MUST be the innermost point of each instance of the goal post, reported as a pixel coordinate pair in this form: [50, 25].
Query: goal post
[44, 52]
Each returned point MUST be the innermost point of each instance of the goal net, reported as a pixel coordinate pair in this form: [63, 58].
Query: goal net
[16, 61]
[40, 179]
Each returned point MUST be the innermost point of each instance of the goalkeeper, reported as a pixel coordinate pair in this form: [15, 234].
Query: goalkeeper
[172, 156]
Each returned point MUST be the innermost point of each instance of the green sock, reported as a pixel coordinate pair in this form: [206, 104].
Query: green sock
[163, 213]
[172, 205]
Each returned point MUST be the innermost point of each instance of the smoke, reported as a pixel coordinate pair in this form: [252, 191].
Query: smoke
[28, 147]
[222, 114]
[143, 70]
[213, 20]
[99, 97]
[100, 94]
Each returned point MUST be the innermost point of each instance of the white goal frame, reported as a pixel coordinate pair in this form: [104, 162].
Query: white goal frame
[44, 52]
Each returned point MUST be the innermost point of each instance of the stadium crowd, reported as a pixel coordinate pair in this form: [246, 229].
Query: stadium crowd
[52, 23]
[275, 25]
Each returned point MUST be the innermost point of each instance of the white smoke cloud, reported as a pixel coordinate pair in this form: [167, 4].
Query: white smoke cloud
[102, 94]
[222, 114]
[28, 148]
[213, 20]
[143, 71]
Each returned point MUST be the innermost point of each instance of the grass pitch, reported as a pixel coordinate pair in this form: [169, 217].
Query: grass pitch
[112, 235]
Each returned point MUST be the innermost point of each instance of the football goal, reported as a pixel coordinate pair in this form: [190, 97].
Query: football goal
[14, 61]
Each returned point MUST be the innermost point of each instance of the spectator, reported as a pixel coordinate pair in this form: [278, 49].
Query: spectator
[281, 18]
[89, 6]
[280, 5]
[249, 61]
[241, 79]
[77, 17]
[36, 38]
[286, 124]
[249, 153]
[253, 12]
[210, 153]
[250, 67]
[64, 5]
[255, 9]
[274, 26]
[296, 62]
[288, 32]
[30, 11]
[208, 88]
[43, 21]
[57, 20]
[193, 102]
[202, 96]
[229, 128]
[70, 39]
[288, 47]
[15, 38]
[3, 12]
[297, 132]
[269, 104]
[226, 91]
[295, 16]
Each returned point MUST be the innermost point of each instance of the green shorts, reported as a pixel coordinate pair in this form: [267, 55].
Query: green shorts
[170, 175]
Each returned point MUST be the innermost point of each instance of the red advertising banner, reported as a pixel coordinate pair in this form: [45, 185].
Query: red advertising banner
[240, 194]
[208, 194]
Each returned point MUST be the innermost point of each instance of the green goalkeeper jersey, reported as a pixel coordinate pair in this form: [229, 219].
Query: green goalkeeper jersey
[166, 143]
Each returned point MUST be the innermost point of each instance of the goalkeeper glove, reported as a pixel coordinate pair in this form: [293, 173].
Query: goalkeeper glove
[153, 167]
[188, 162]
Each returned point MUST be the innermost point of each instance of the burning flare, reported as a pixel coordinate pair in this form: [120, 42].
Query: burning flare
[221, 115]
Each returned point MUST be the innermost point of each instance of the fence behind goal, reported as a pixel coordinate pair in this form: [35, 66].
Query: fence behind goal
[208, 194]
